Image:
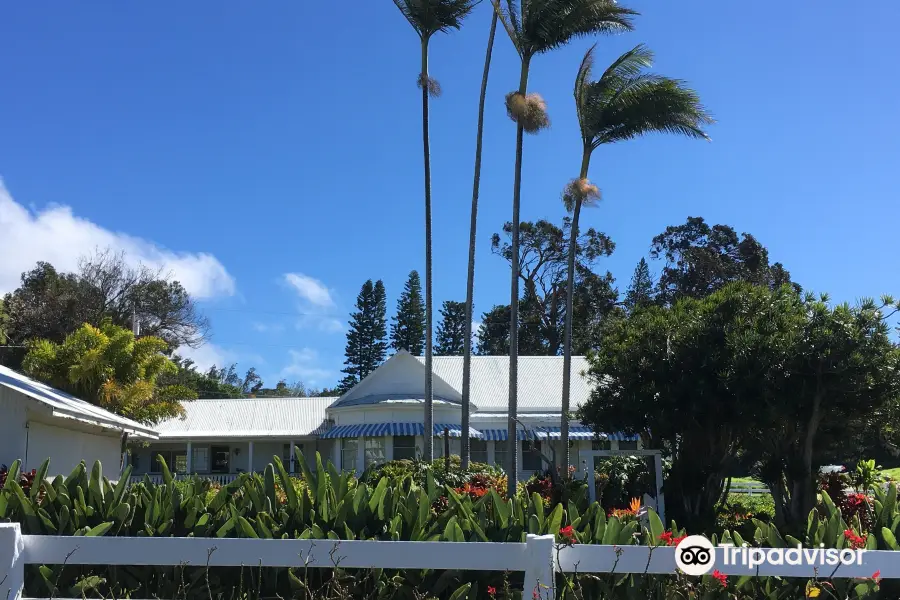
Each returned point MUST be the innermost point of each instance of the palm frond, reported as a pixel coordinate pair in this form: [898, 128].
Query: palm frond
[509, 18]
[549, 24]
[626, 102]
[432, 16]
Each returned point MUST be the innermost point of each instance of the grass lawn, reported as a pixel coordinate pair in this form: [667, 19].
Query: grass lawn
[748, 482]
[892, 473]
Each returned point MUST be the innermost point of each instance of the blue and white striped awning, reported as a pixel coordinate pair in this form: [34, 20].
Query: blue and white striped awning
[579, 432]
[576, 432]
[380, 429]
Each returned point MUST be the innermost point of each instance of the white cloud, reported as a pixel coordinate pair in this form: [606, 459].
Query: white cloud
[268, 327]
[310, 289]
[207, 355]
[304, 365]
[321, 322]
[56, 235]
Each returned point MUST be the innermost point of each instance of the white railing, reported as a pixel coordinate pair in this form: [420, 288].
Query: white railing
[539, 557]
[222, 478]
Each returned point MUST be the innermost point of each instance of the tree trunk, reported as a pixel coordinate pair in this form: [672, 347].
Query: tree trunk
[429, 375]
[470, 275]
[567, 335]
[512, 474]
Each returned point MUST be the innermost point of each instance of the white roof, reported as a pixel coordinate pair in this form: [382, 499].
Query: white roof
[248, 417]
[67, 406]
[540, 381]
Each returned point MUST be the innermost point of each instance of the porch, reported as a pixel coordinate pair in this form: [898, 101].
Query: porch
[220, 460]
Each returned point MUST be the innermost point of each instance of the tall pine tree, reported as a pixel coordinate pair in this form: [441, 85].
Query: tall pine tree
[640, 292]
[408, 327]
[366, 344]
[451, 331]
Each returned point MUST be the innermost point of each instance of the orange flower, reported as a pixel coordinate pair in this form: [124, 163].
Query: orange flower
[635, 505]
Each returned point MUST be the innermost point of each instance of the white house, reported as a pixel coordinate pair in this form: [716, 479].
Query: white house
[39, 422]
[381, 419]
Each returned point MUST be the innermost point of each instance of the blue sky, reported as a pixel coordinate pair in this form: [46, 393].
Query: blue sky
[238, 143]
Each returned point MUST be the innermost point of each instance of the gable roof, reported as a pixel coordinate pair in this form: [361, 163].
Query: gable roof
[401, 378]
[540, 381]
[248, 417]
[66, 405]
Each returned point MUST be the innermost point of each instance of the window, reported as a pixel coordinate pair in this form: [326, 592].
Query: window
[478, 450]
[404, 447]
[600, 445]
[439, 447]
[179, 459]
[135, 459]
[630, 445]
[501, 453]
[531, 460]
[348, 453]
[200, 459]
[375, 454]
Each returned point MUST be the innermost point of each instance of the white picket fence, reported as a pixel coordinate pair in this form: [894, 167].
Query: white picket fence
[539, 557]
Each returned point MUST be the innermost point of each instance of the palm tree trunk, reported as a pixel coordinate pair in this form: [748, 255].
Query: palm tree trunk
[512, 474]
[470, 277]
[567, 336]
[429, 375]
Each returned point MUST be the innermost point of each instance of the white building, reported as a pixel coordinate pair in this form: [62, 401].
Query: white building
[39, 422]
[381, 419]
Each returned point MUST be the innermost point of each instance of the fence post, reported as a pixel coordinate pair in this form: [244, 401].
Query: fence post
[12, 570]
[540, 567]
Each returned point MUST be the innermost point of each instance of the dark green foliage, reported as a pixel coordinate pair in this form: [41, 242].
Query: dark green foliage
[706, 380]
[493, 335]
[329, 505]
[408, 327]
[366, 344]
[51, 305]
[543, 255]
[451, 331]
[640, 292]
[701, 259]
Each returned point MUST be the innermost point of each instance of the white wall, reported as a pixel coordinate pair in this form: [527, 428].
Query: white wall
[13, 417]
[394, 413]
[67, 447]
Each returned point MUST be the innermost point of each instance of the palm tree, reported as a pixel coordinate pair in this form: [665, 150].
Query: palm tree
[470, 276]
[623, 104]
[535, 27]
[428, 17]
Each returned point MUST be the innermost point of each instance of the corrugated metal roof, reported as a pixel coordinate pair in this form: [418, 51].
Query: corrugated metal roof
[68, 406]
[248, 417]
[540, 381]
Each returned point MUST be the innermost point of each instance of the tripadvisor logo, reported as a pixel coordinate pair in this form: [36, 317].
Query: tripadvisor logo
[695, 555]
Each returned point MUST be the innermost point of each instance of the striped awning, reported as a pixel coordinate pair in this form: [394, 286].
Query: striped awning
[380, 429]
[578, 432]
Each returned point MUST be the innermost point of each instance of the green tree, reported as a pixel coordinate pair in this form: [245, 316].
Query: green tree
[470, 272]
[835, 377]
[366, 344]
[700, 259]
[623, 104]
[428, 17]
[408, 327]
[492, 338]
[451, 331]
[4, 320]
[535, 27]
[543, 262]
[51, 305]
[640, 292]
[108, 367]
[745, 377]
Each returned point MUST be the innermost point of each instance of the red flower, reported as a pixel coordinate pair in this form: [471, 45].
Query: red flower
[856, 541]
[677, 540]
[876, 576]
[492, 591]
[568, 533]
[666, 538]
[720, 577]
